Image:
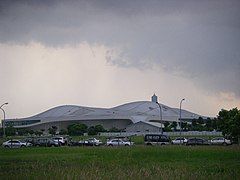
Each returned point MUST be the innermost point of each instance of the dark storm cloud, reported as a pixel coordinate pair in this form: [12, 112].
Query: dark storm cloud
[197, 39]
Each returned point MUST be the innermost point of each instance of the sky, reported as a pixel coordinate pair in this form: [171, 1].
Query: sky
[110, 52]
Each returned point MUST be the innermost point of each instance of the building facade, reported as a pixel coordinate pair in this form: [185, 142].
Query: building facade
[128, 116]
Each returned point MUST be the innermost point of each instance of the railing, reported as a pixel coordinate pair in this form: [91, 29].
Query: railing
[187, 133]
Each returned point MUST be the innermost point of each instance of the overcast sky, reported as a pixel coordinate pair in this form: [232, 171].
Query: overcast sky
[106, 53]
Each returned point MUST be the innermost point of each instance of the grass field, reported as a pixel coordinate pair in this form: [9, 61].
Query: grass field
[139, 162]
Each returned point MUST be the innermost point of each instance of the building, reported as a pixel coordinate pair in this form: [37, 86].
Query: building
[145, 127]
[126, 117]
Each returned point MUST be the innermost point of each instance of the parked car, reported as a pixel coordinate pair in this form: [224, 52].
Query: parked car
[197, 141]
[179, 140]
[95, 141]
[220, 141]
[157, 139]
[125, 138]
[90, 142]
[73, 143]
[30, 139]
[47, 142]
[119, 142]
[60, 140]
[16, 144]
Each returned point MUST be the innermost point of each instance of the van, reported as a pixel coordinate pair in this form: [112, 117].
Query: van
[156, 139]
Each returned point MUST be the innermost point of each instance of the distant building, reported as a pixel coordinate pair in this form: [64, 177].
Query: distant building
[130, 116]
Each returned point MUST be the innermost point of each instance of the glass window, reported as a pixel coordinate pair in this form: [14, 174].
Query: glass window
[21, 123]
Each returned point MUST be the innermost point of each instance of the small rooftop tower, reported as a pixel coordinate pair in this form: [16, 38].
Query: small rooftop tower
[154, 98]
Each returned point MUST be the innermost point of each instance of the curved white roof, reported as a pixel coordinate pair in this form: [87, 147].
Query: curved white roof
[135, 111]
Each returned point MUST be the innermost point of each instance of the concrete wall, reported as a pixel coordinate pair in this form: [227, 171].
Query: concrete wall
[142, 127]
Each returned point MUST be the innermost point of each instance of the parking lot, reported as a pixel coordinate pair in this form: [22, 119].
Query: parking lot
[148, 140]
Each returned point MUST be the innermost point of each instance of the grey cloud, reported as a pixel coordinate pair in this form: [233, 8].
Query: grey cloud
[201, 39]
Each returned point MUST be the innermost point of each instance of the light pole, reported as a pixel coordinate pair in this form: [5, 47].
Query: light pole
[160, 114]
[181, 119]
[3, 122]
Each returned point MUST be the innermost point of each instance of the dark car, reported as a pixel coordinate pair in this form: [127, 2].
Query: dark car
[46, 142]
[197, 141]
[73, 143]
[156, 139]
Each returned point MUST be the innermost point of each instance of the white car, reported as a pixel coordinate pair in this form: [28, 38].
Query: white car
[179, 140]
[90, 142]
[119, 142]
[95, 141]
[15, 144]
[220, 141]
[59, 140]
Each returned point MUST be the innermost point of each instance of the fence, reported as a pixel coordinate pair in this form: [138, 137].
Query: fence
[187, 133]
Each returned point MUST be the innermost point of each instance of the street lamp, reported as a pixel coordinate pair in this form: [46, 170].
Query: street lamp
[181, 119]
[3, 122]
[160, 114]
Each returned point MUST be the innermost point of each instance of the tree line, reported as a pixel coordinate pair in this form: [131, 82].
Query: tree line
[75, 129]
[199, 124]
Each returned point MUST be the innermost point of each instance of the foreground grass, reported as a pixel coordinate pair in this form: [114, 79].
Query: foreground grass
[141, 162]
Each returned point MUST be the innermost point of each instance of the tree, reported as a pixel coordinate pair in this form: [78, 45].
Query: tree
[229, 123]
[215, 124]
[31, 132]
[22, 131]
[197, 124]
[174, 125]
[114, 129]
[92, 131]
[52, 130]
[99, 128]
[10, 131]
[166, 126]
[42, 130]
[209, 125]
[63, 132]
[77, 129]
[38, 133]
[200, 120]
[184, 126]
[194, 124]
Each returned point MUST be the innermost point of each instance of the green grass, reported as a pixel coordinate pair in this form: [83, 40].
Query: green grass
[139, 162]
